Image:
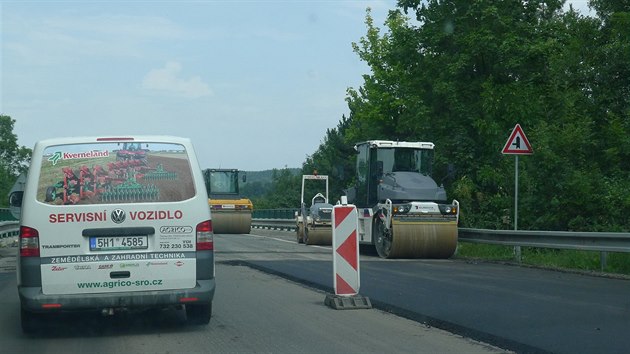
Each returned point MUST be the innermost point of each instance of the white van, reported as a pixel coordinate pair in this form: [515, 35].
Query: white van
[115, 223]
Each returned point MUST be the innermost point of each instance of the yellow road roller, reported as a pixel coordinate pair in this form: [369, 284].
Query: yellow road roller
[314, 223]
[402, 211]
[231, 213]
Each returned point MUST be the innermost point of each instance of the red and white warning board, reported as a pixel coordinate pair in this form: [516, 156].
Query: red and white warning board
[345, 249]
[517, 143]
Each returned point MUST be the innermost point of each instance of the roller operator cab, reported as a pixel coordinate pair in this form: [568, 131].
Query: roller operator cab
[402, 211]
[314, 223]
[113, 224]
[232, 213]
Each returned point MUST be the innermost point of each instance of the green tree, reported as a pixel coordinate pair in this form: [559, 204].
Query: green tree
[334, 158]
[284, 193]
[14, 159]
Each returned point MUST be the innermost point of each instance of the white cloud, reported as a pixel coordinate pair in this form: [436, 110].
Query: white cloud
[168, 80]
[66, 38]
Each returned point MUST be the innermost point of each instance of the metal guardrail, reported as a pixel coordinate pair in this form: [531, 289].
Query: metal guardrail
[585, 241]
[9, 228]
[602, 242]
[274, 224]
[288, 213]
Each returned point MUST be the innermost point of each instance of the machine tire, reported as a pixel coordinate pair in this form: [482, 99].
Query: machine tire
[51, 194]
[199, 314]
[382, 238]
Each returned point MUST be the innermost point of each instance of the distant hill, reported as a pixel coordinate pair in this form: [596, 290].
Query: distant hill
[259, 182]
[266, 176]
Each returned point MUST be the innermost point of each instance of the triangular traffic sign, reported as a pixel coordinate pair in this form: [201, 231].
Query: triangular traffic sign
[518, 143]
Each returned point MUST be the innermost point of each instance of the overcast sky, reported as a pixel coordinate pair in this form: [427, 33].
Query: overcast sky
[254, 84]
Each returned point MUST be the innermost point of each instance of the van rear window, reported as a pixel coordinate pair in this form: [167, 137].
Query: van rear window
[102, 173]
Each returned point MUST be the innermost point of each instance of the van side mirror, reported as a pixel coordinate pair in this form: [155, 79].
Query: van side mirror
[244, 178]
[15, 204]
[15, 199]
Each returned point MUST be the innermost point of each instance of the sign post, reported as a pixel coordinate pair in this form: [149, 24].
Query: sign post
[345, 246]
[517, 144]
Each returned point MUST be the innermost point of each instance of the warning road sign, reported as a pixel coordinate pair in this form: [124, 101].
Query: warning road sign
[518, 144]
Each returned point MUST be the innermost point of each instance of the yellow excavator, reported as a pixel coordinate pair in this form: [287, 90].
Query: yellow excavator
[231, 214]
[402, 211]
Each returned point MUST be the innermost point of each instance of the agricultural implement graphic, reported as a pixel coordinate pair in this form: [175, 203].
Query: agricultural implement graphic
[119, 183]
[132, 152]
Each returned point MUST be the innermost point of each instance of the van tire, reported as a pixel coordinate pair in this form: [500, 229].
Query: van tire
[30, 321]
[199, 314]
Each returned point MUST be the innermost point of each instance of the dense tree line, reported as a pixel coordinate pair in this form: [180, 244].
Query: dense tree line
[462, 73]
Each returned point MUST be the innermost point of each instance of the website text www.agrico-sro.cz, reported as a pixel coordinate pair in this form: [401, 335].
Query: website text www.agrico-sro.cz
[118, 284]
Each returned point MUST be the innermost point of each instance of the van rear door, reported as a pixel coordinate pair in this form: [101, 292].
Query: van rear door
[116, 216]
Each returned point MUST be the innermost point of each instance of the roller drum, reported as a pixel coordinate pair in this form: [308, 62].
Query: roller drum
[418, 240]
[226, 222]
[319, 236]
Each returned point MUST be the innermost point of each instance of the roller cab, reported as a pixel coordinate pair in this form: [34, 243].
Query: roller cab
[402, 211]
[314, 225]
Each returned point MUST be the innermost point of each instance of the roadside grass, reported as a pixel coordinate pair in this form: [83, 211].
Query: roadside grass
[616, 263]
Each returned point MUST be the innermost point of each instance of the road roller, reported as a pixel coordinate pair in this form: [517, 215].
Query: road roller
[231, 213]
[402, 211]
[317, 229]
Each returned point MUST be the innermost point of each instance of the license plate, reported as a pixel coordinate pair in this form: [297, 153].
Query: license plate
[117, 243]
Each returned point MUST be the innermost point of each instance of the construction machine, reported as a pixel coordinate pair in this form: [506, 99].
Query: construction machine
[231, 213]
[402, 211]
[314, 223]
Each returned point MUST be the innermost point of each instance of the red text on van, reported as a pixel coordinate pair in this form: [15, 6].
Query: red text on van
[77, 217]
[156, 215]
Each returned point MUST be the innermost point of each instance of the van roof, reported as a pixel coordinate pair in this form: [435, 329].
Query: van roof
[113, 139]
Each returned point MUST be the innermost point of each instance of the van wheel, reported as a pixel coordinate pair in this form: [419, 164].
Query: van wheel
[30, 321]
[199, 314]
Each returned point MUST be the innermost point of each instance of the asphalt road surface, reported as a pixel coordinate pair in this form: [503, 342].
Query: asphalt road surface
[522, 309]
[254, 312]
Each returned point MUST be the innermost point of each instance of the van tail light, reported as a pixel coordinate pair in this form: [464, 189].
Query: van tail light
[29, 242]
[205, 239]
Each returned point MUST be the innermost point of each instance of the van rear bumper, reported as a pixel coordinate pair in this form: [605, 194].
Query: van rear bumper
[33, 300]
